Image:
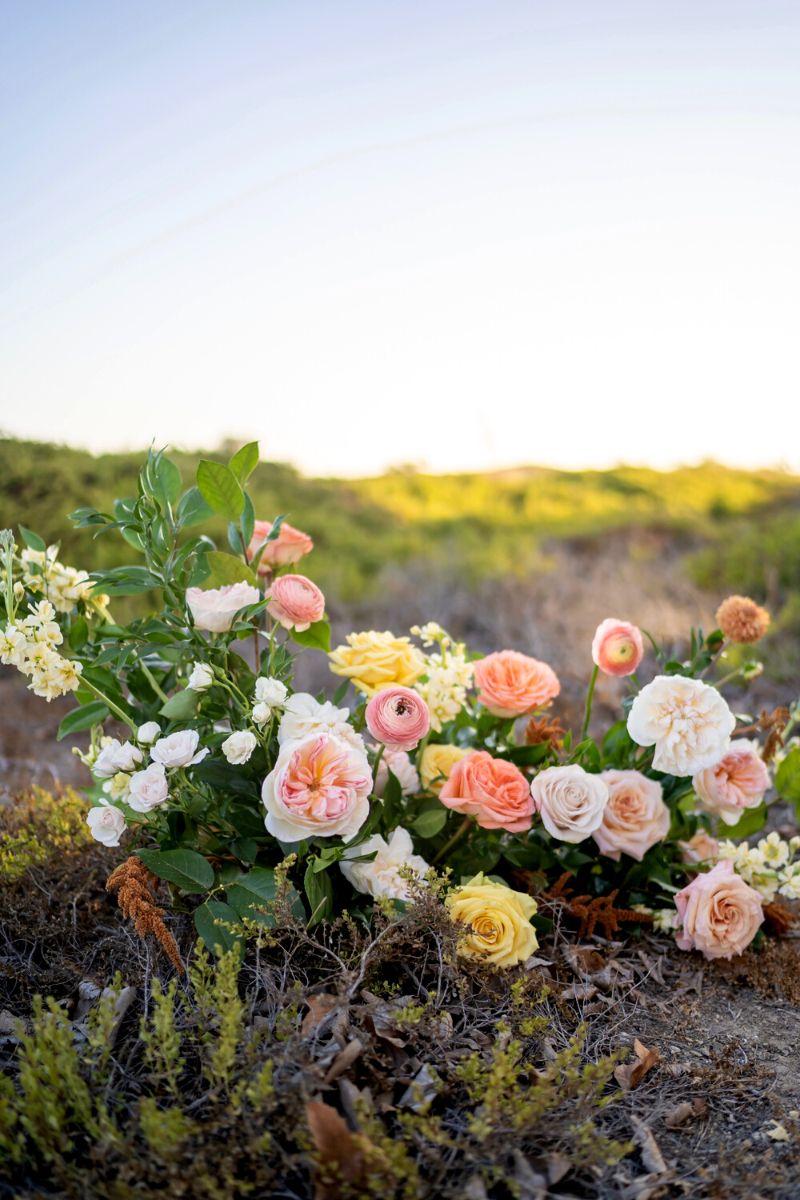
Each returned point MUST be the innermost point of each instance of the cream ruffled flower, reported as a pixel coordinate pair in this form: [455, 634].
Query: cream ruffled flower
[687, 721]
[382, 876]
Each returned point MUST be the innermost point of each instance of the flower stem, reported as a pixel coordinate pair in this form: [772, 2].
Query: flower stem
[587, 715]
[114, 708]
[376, 768]
[151, 679]
[458, 836]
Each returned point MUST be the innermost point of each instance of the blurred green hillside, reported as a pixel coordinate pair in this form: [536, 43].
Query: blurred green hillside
[740, 527]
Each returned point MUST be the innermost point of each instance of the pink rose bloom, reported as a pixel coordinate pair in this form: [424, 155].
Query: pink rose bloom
[288, 547]
[617, 647]
[700, 848]
[739, 780]
[398, 717]
[570, 801]
[635, 817]
[296, 602]
[511, 684]
[491, 790]
[319, 787]
[719, 913]
[214, 608]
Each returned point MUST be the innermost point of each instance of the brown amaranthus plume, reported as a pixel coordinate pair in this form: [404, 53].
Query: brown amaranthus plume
[779, 918]
[591, 911]
[773, 724]
[742, 620]
[135, 887]
[541, 730]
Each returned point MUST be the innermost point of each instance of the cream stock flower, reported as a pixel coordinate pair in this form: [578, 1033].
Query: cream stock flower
[687, 721]
[498, 920]
[373, 661]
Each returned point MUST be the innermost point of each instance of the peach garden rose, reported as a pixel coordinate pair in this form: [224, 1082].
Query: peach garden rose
[719, 913]
[491, 790]
[635, 817]
[739, 780]
[511, 684]
[286, 549]
[319, 787]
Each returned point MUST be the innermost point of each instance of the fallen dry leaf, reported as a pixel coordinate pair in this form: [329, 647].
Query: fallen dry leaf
[687, 1110]
[630, 1075]
[344, 1060]
[652, 1157]
[341, 1154]
[319, 1007]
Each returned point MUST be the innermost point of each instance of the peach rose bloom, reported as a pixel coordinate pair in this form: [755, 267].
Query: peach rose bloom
[570, 801]
[288, 547]
[635, 817]
[739, 780]
[511, 684]
[491, 790]
[617, 647]
[398, 717]
[719, 913]
[319, 787]
[296, 602]
[700, 848]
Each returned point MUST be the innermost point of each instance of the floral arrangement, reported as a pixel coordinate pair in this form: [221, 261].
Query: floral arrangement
[428, 763]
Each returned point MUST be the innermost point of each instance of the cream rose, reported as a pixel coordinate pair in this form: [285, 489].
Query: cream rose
[687, 721]
[201, 677]
[107, 824]
[381, 876]
[737, 781]
[116, 756]
[148, 732]
[719, 913]
[635, 817]
[213, 609]
[319, 787]
[498, 919]
[148, 788]
[570, 802]
[238, 748]
[179, 749]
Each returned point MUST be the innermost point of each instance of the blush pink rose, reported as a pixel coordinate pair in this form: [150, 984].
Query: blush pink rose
[319, 787]
[739, 780]
[288, 547]
[491, 790]
[213, 609]
[635, 817]
[718, 912]
[702, 847]
[398, 717]
[511, 684]
[296, 602]
[617, 647]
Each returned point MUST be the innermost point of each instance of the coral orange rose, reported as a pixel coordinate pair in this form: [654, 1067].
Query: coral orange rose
[511, 684]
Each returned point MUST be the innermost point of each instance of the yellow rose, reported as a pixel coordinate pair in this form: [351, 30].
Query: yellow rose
[500, 929]
[435, 764]
[374, 661]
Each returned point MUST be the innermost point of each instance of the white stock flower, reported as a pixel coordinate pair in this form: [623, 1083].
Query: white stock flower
[304, 716]
[381, 876]
[107, 824]
[444, 689]
[148, 732]
[179, 749]
[239, 746]
[570, 801]
[775, 851]
[271, 691]
[148, 788]
[261, 713]
[214, 609]
[687, 721]
[116, 756]
[790, 882]
[201, 677]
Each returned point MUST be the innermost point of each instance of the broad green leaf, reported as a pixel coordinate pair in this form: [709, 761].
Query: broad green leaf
[319, 893]
[186, 868]
[316, 637]
[220, 488]
[752, 821]
[787, 777]
[225, 569]
[244, 462]
[430, 821]
[193, 508]
[126, 581]
[180, 707]
[167, 480]
[78, 633]
[82, 718]
[210, 921]
[251, 891]
[31, 539]
[245, 849]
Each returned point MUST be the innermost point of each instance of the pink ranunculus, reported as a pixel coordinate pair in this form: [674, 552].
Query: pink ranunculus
[214, 608]
[635, 817]
[288, 547]
[491, 790]
[719, 913]
[738, 781]
[617, 647]
[398, 717]
[296, 602]
[319, 787]
[511, 684]
[701, 847]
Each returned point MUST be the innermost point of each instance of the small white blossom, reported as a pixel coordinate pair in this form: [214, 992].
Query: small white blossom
[271, 691]
[774, 850]
[261, 713]
[116, 756]
[148, 788]
[239, 746]
[107, 824]
[179, 749]
[201, 677]
[148, 732]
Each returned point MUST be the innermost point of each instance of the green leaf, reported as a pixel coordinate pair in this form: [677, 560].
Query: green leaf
[126, 581]
[180, 707]
[316, 637]
[78, 633]
[82, 718]
[186, 868]
[193, 508]
[253, 890]
[31, 539]
[226, 569]
[528, 756]
[787, 777]
[244, 462]
[220, 488]
[752, 821]
[210, 920]
[245, 849]
[319, 893]
[430, 821]
[167, 480]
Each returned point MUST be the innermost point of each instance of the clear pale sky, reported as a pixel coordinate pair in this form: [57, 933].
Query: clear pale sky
[460, 234]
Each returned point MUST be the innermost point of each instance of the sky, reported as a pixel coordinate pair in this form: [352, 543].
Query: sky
[463, 235]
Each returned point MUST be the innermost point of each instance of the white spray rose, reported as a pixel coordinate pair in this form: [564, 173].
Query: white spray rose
[304, 716]
[382, 877]
[271, 691]
[107, 824]
[239, 746]
[687, 721]
[179, 749]
[148, 732]
[148, 788]
[214, 608]
[116, 756]
[570, 801]
[201, 677]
